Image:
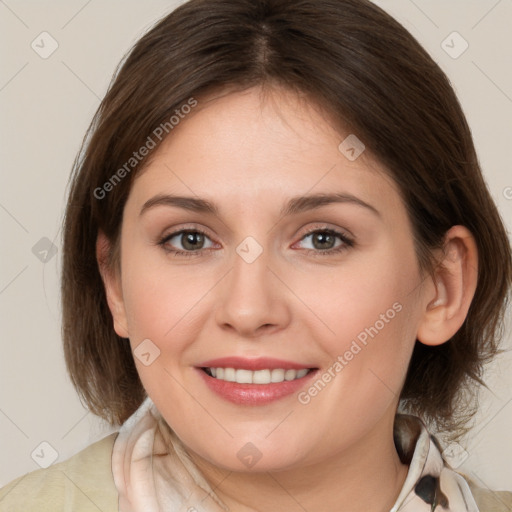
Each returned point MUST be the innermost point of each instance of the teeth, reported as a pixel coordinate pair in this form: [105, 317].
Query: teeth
[229, 374]
[290, 374]
[261, 377]
[277, 375]
[256, 377]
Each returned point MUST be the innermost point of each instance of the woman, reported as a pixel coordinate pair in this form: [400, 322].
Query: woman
[281, 269]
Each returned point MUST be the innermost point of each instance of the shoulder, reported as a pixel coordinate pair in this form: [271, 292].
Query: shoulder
[488, 500]
[82, 483]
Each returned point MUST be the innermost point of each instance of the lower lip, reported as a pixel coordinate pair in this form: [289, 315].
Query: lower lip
[254, 394]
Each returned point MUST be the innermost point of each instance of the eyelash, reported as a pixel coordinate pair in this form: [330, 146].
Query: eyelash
[347, 242]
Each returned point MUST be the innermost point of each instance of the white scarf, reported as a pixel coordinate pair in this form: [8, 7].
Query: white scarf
[153, 472]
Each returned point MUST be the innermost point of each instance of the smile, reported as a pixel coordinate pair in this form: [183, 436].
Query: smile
[265, 376]
[254, 381]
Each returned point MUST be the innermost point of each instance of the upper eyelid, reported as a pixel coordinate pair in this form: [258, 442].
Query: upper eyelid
[342, 231]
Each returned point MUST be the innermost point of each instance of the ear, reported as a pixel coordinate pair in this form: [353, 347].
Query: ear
[112, 282]
[448, 298]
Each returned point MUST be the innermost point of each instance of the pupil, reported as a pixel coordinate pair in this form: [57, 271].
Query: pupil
[323, 238]
[192, 238]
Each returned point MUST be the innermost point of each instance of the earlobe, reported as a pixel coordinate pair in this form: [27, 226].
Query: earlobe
[112, 283]
[450, 294]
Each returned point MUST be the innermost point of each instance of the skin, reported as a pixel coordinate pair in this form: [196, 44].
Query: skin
[249, 154]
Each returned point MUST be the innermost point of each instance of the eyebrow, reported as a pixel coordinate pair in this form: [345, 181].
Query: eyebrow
[294, 206]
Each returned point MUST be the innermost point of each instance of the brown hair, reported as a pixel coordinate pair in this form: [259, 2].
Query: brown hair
[374, 78]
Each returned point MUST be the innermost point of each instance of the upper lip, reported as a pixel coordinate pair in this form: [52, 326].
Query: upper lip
[259, 363]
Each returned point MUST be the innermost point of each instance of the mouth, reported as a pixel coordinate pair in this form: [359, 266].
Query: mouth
[265, 376]
[257, 381]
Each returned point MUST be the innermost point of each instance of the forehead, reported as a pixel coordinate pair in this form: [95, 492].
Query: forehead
[252, 147]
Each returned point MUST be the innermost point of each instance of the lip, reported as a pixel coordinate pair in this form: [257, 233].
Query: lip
[259, 363]
[254, 394]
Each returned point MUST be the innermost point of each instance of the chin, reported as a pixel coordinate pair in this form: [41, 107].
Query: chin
[248, 458]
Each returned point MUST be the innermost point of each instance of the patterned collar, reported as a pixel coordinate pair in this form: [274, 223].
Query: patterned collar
[152, 470]
[431, 485]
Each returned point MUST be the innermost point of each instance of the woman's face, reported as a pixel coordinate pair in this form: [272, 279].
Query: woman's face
[255, 284]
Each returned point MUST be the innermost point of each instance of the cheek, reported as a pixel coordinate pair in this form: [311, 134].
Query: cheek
[370, 307]
[162, 304]
[163, 300]
[366, 296]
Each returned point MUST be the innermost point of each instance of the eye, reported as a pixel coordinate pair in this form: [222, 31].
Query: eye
[323, 241]
[192, 241]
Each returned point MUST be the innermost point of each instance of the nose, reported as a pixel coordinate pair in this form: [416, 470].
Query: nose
[252, 299]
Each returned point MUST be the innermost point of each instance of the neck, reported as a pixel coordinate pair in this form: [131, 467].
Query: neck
[366, 477]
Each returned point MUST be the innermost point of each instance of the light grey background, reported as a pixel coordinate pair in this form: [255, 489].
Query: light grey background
[46, 106]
